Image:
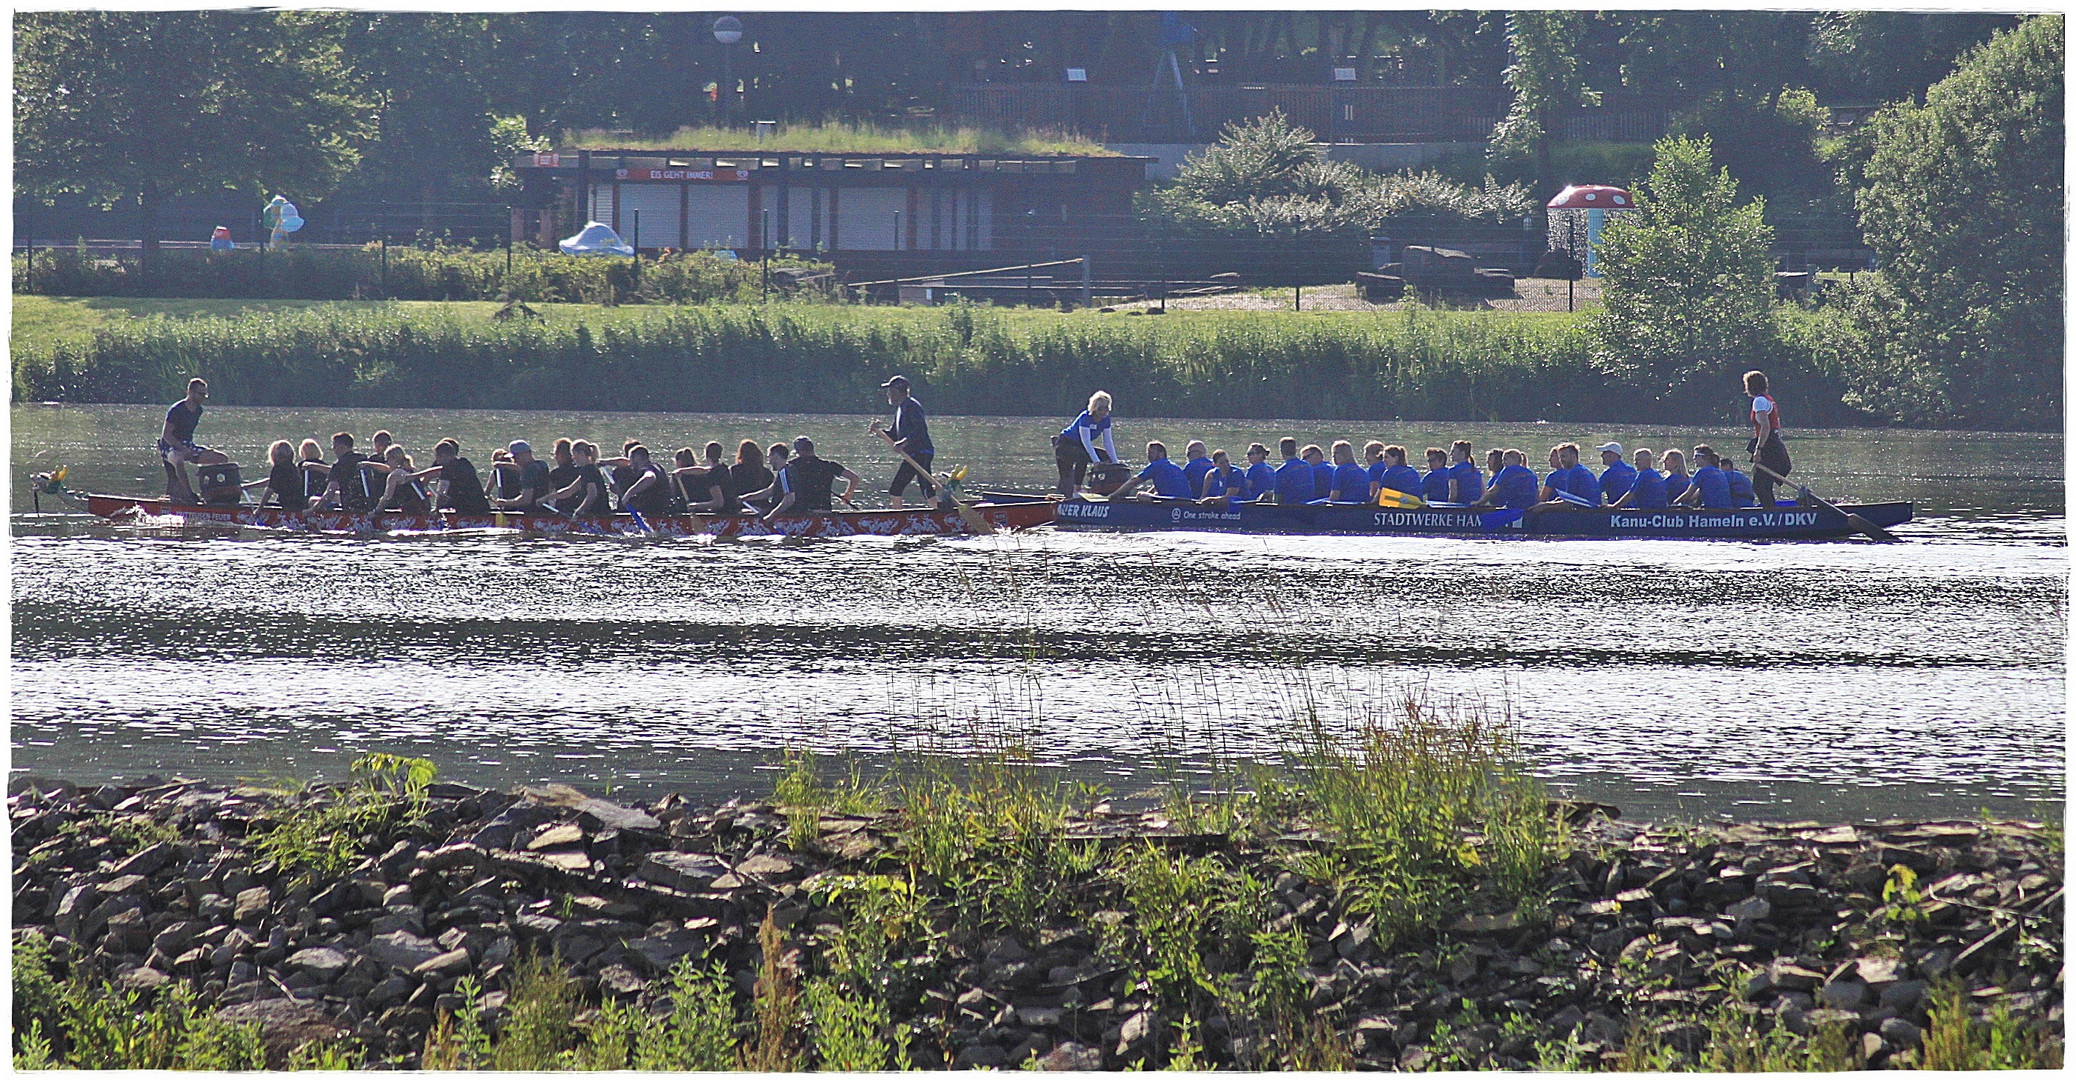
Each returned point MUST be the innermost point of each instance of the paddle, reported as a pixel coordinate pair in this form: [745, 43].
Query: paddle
[1395, 499]
[974, 519]
[1859, 524]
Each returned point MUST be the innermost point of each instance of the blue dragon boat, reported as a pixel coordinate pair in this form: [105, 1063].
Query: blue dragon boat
[1781, 522]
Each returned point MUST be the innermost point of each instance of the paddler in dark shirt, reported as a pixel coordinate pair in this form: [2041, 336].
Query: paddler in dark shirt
[748, 473]
[559, 477]
[805, 484]
[649, 494]
[177, 443]
[706, 486]
[587, 494]
[347, 485]
[531, 478]
[461, 487]
[621, 469]
[284, 482]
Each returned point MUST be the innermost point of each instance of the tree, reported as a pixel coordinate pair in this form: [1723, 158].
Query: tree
[155, 105]
[1687, 276]
[1544, 76]
[1963, 203]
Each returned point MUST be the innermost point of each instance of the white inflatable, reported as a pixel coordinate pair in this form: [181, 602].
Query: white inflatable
[598, 238]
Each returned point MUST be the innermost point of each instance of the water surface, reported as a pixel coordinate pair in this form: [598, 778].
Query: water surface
[1825, 680]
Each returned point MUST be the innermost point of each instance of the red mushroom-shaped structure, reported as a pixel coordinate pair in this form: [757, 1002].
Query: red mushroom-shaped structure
[1592, 197]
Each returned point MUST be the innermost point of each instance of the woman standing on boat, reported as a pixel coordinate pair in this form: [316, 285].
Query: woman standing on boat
[1086, 441]
[1768, 449]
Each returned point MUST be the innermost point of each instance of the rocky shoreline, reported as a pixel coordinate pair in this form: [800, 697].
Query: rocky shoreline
[1648, 945]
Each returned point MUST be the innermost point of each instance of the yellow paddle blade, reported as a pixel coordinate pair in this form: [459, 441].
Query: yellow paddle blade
[958, 474]
[1399, 500]
[57, 475]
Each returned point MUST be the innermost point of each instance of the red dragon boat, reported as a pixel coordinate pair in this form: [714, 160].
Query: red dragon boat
[997, 511]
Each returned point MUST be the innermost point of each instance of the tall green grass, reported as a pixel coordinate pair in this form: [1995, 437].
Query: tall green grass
[438, 272]
[1419, 364]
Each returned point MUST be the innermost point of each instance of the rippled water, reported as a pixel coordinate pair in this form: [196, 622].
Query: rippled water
[1832, 680]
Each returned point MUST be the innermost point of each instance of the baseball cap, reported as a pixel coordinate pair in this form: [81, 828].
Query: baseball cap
[520, 446]
[898, 380]
[1609, 448]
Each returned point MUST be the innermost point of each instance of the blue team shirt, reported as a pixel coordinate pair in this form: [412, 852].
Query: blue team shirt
[1584, 484]
[1166, 478]
[1194, 471]
[1402, 478]
[1516, 486]
[1650, 490]
[1434, 485]
[1353, 482]
[1226, 481]
[1261, 479]
[1294, 482]
[1676, 486]
[1715, 488]
[1616, 481]
[1322, 480]
[1095, 427]
[1741, 493]
[1470, 481]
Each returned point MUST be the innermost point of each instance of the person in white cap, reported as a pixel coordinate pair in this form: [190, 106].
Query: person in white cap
[1619, 476]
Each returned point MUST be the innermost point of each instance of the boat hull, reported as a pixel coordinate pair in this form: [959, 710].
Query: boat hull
[1021, 514]
[1751, 523]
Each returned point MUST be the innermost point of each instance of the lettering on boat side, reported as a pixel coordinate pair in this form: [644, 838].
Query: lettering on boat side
[1769, 520]
[1184, 514]
[1083, 510]
[1428, 519]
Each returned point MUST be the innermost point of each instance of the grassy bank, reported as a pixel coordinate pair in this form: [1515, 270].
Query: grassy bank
[1400, 895]
[1415, 364]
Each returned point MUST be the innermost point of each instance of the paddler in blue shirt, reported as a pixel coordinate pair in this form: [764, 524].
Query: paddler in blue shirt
[1466, 482]
[1222, 481]
[1165, 476]
[1513, 486]
[1558, 482]
[1434, 486]
[1710, 489]
[1261, 479]
[1676, 478]
[1351, 482]
[1196, 462]
[911, 435]
[1397, 475]
[1294, 476]
[1648, 492]
[1741, 493]
[1322, 473]
[1618, 477]
[1584, 484]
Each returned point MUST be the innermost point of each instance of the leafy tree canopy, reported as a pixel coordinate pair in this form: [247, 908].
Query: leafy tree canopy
[1687, 276]
[1270, 176]
[1964, 205]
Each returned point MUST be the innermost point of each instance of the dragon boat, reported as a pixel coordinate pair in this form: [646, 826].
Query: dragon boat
[1783, 521]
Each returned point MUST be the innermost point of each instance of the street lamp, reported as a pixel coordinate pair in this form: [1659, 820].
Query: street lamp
[727, 31]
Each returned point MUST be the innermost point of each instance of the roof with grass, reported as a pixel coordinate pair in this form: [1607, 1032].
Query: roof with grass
[844, 138]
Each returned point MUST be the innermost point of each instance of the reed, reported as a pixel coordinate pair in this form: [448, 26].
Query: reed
[830, 358]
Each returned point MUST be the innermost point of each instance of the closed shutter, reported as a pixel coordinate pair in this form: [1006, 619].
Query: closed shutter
[718, 215]
[866, 217]
[658, 205]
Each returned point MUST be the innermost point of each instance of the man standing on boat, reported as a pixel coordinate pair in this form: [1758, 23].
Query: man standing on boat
[1769, 451]
[911, 435]
[177, 443]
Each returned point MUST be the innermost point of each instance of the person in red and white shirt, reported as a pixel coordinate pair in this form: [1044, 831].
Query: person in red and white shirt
[1766, 447]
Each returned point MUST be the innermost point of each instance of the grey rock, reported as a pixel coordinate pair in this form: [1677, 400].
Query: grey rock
[402, 949]
[390, 991]
[251, 904]
[1136, 1028]
[1758, 986]
[408, 917]
[1567, 1018]
[1872, 1046]
[1352, 941]
[127, 883]
[444, 965]
[1071, 1057]
[454, 857]
[175, 937]
[1039, 1016]
[660, 951]
[1683, 1035]
[1750, 908]
[980, 1056]
[769, 868]
[1904, 995]
[1787, 975]
[142, 979]
[1879, 970]
[325, 963]
[621, 980]
[689, 871]
[147, 862]
[1844, 994]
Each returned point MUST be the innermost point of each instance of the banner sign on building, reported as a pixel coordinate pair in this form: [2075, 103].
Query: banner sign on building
[724, 176]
